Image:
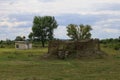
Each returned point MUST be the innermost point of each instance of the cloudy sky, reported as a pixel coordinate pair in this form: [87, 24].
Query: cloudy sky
[16, 16]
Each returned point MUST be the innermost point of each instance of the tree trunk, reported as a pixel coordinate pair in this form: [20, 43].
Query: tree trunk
[43, 44]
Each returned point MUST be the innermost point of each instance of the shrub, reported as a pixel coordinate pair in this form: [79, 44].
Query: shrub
[2, 46]
[117, 48]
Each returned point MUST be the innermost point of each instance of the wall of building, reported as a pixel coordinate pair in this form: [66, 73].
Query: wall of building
[23, 46]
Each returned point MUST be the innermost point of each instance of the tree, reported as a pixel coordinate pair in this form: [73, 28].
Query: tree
[30, 36]
[72, 31]
[119, 38]
[23, 38]
[79, 32]
[8, 41]
[43, 28]
[18, 38]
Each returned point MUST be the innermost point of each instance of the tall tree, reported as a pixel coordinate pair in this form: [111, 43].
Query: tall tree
[79, 32]
[43, 28]
[72, 30]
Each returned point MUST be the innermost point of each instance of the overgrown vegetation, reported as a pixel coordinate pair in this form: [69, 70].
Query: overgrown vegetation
[111, 43]
[6, 44]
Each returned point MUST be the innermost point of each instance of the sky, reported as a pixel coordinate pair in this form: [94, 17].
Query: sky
[16, 16]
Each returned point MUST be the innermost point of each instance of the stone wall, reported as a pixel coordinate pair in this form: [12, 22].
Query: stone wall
[63, 49]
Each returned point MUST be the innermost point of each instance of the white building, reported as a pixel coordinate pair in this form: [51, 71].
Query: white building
[23, 45]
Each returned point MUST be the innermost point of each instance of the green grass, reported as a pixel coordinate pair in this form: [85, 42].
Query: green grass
[27, 65]
[27, 55]
[109, 50]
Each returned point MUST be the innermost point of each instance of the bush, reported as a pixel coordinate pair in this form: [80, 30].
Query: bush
[117, 48]
[2, 46]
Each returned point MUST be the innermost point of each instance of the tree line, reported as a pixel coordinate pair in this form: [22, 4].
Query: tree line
[111, 43]
[43, 28]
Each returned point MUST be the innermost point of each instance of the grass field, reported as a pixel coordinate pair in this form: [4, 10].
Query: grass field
[27, 65]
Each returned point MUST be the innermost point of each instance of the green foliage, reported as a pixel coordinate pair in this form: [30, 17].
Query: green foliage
[79, 32]
[110, 51]
[72, 31]
[19, 38]
[7, 44]
[30, 36]
[111, 43]
[43, 28]
[2, 46]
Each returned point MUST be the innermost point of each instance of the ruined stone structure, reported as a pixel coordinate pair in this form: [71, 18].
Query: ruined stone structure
[83, 48]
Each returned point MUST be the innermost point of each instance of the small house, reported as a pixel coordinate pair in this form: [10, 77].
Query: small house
[23, 45]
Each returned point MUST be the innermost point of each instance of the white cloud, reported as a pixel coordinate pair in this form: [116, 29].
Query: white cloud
[9, 28]
[56, 7]
[7, 22]
[106, 28]
[111, 30]
[108, 23]
[61, 32]
[11, 33]
[103, 12]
